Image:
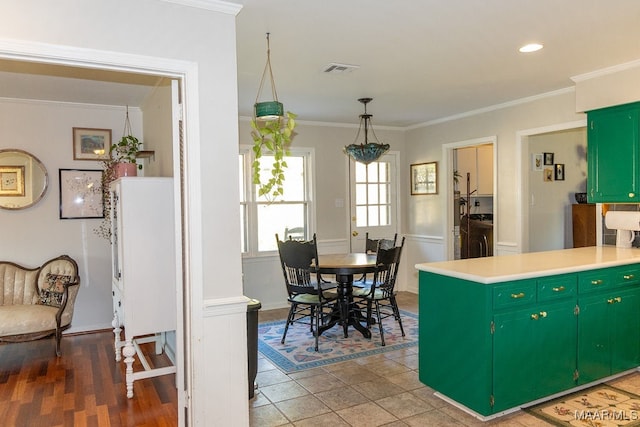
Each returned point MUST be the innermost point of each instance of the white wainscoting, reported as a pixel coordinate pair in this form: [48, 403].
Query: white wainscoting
[418, 249]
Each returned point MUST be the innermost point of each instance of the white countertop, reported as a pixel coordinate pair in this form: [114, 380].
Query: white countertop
[534, 264]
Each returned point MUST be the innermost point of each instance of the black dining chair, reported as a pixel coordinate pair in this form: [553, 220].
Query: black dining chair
[371, 247]
[381, 294]
[311, 303]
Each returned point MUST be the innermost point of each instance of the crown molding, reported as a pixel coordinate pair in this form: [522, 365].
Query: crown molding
[606, 71]
[212, 5]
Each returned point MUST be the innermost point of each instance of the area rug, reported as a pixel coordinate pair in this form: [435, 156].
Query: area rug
[601, 406]
[297, 353]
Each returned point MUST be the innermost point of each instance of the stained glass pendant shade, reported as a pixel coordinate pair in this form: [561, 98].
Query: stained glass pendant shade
[366, 152]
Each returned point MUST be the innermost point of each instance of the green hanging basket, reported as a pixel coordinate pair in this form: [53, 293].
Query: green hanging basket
[270, 110]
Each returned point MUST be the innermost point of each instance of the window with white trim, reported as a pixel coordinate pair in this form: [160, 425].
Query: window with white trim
[289, 216]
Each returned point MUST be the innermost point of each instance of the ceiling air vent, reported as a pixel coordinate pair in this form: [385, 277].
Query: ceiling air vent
[335, 68]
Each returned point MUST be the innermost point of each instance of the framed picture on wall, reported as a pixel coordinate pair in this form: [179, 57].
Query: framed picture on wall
[559, 172]
[81, 194]
[91, 144]
[548, 159]
[536, 162]
[424, 178]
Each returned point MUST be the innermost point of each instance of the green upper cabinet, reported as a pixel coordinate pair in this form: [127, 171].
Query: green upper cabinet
[613, 154]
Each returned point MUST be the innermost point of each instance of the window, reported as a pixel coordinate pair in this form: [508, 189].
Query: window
[289, 216]
[373, 202]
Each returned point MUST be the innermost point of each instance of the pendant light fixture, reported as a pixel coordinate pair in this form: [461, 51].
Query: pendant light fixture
[367, 151]
[268, 110]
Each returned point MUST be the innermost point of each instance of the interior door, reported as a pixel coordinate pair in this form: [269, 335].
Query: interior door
[373, 199]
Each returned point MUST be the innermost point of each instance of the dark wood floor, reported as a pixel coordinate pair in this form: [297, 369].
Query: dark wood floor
[84, 387]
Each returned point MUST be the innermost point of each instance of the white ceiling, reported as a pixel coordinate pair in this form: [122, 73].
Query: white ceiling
[421, 60]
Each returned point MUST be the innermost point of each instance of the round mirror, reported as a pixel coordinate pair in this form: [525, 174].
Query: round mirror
[23, 179]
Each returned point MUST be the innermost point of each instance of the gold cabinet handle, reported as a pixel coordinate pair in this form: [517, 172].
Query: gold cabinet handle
[632, 195]
[558, 289]
[517, 296]
[614, 300]
[628, 277]
[534, 316]
[543, 314]
[596, 282]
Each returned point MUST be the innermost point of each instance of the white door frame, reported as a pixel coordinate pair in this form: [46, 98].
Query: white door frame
[189, 270]
[447, 210]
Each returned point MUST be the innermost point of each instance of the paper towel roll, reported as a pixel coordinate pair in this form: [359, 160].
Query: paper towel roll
[622, 220]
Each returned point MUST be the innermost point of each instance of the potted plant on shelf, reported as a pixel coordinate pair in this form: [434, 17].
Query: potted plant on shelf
[272, 137]
[122, 156]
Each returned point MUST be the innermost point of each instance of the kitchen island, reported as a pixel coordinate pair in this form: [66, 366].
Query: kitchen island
[504, 332]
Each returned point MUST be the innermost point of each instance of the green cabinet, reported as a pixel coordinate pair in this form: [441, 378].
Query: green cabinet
[609, 324]
[534, 347]
[613, 154]
[493, 347]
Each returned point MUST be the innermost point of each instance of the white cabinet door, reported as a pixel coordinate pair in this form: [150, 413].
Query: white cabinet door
[485, 169]
[466, 163]
[478, 162]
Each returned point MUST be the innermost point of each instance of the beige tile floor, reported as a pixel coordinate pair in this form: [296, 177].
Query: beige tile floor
[381, 390]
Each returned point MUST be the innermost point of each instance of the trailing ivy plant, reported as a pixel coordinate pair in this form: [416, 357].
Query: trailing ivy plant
[272, 137]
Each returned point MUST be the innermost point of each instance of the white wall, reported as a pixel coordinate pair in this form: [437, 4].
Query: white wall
[424, 215]
[157, 132]
[33, 235]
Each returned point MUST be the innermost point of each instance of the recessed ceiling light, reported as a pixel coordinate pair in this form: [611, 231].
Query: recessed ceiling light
[531, 47]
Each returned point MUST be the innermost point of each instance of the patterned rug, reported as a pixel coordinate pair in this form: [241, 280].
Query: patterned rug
[297, 353]
[598, 406]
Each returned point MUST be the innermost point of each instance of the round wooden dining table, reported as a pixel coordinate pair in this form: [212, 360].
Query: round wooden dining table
[345, 266]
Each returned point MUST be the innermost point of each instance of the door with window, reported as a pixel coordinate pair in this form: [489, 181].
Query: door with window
[374, 200]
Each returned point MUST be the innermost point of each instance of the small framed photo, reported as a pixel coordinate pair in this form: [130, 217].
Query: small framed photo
[536, 162]
[11, 181]
[424, 178]
[81, 194]
[559, 172]
[548, 174]
[91, 144]
[548, 159]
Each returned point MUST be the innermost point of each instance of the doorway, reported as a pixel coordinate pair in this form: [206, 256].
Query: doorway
[470, 198]
[547, 201]
[94, 60]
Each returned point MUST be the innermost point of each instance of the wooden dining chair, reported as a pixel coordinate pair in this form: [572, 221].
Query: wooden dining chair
[381, 294]
[311, 301]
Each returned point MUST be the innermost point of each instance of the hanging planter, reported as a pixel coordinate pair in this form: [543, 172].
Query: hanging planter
[271, 134]
[269, 110]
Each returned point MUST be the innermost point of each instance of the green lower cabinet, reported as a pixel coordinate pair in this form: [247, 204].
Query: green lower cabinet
[534, 353]
[494, 347]
[608, 334]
